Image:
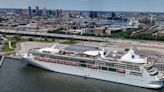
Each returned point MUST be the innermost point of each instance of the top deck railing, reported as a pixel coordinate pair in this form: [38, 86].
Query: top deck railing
[117, 64]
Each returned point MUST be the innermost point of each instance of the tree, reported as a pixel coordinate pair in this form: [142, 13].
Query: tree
[31, 39]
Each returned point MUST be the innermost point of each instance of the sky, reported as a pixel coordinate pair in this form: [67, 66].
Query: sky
[98, 5]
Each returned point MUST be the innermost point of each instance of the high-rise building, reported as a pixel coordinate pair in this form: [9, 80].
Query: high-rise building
[66, 14]
[37, 11]
[21, 12]
[113, 15]
[50, 13]
[58, 13]
[93, 14]
[152, 17]
[44, 13]
[30, 11]
[33, 11]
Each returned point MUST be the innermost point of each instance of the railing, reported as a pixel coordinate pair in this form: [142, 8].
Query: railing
[80, 64]
[96, 65]
[34, 51]
[148, 65]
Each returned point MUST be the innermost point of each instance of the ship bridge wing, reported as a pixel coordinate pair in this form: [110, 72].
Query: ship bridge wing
[53, 49]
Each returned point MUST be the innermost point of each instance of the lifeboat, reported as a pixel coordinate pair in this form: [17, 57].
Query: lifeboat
[70, 63]
[40, 58]
[54, 61]
[93, 66]
[49, 60]
[119, 70]
[74, 63]
[60, 61]
[44, 59]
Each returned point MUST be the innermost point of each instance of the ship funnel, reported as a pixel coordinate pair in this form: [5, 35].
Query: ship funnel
[132, 57]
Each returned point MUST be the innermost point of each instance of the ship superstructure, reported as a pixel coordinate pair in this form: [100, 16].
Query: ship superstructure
[127, 68]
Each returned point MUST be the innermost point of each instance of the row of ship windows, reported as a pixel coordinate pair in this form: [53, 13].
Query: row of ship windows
[124, 66]
[83, 64]
[80, 64]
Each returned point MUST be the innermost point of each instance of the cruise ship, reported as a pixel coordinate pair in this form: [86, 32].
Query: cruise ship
[126, 68]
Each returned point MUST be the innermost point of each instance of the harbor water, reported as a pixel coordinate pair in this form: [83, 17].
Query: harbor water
[17, 76]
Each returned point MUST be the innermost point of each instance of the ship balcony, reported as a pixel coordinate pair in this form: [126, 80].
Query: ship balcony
[150, 69]
[153, 72]
[148, 65]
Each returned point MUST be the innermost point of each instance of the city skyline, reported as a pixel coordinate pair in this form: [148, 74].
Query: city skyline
[95, 5]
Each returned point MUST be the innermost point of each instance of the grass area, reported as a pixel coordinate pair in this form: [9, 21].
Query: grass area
[140, 36]
[69, 42]
[19, 39]
[14, 40]
[121, 35]
[125, 35]
[34, 40]
[6, 47]
[58, 31]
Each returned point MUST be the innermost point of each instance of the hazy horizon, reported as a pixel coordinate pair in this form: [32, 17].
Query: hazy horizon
[87, 5]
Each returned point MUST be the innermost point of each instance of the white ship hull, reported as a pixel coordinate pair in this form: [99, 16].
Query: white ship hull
[96, 74]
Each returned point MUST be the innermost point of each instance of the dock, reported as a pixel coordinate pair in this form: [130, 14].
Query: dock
[1, 60]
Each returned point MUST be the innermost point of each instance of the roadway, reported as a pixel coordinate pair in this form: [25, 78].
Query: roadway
[141, 43]
[50, 35]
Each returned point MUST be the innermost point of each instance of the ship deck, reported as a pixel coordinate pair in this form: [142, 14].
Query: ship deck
[80, 49]
[78, 55]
